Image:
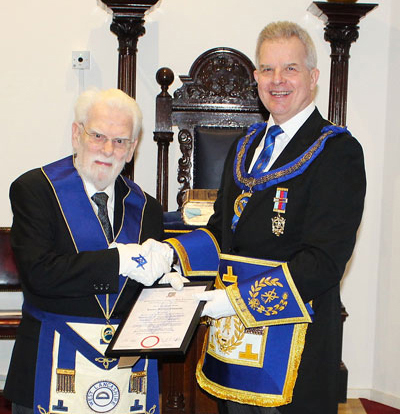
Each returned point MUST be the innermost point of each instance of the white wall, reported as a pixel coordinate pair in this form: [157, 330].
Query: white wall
[39, 86]
[386, 382]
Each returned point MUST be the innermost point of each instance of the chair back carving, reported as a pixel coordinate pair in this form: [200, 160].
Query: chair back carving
[219, 92]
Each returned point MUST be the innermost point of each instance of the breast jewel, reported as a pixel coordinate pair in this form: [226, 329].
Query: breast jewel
[249, 182]
[107, 330]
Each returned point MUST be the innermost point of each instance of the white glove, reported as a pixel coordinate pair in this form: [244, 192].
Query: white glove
[218, 304]
[159, 247]
[144, 263]
[175, 279]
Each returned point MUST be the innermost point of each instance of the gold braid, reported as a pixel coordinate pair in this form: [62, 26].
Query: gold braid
[251, 182]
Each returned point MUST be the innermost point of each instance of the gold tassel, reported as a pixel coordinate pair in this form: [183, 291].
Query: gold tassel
[66, 380]
[138, 382]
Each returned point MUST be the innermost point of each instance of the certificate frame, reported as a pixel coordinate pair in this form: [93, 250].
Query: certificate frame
[114, 349]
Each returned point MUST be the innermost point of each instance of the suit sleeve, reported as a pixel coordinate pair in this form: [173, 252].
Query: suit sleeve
[153, 225]
[331, 218]
[47, 261]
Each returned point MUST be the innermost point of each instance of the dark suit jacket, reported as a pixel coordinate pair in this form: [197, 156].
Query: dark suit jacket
[54, 277]
[323, 212]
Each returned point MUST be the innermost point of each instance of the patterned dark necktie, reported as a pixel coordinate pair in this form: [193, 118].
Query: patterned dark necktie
[265, 154]
[101, 200]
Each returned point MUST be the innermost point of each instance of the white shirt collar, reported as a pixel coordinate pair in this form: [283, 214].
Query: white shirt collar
[291, 126]
[91, 190]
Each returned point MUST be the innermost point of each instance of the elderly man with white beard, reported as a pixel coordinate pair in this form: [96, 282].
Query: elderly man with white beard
[84, 239]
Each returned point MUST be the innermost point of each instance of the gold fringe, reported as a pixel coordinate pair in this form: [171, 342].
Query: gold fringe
[253, 398]
[66, 380]
[138, 382]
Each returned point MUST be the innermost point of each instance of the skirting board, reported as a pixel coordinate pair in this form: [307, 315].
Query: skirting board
[374, 395]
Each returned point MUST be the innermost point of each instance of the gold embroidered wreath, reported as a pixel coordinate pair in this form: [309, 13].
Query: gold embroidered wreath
[254, 302]
[228, 345]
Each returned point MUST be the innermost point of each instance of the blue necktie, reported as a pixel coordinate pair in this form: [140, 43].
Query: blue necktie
[265, 154]
[260, 165]
[101, 200]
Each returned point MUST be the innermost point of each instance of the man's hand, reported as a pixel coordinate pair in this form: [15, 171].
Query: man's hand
[161, 248]
[175, 279]
[218, 304]
[144, 263]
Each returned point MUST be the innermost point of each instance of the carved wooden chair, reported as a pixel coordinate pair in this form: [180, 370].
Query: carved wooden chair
[216, 103]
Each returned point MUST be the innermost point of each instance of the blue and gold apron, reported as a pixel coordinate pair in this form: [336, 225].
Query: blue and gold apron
[252, 357]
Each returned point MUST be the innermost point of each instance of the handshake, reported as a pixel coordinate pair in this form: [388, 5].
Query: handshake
[147, 262]
[152, 260]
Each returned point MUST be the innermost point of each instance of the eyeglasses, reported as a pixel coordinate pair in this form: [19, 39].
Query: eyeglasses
[99, 140]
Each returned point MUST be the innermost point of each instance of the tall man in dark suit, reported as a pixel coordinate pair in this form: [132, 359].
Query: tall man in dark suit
[286, 216]
[77, 233]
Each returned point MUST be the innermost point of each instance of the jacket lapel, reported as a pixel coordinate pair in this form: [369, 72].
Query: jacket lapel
[253, 146]
[303, 139]
[121, 190]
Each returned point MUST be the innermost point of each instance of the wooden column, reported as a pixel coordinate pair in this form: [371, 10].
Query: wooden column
[341, 20]
[341, 30]
[163, 134]
[128, 25]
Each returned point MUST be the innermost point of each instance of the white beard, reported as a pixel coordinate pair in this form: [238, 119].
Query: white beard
[100, 176]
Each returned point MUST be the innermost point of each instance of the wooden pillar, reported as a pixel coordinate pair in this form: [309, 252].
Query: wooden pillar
[128, 25]
[341, 20]
[341, 30]
[163, 134]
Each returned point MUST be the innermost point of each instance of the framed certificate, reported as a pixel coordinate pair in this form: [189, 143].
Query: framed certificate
[161, 321]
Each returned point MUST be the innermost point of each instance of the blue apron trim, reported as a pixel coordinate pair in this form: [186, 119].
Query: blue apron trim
[43, 367]
[66, 356]
[153, 388]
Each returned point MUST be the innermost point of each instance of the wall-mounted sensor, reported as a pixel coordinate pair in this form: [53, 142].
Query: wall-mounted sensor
[81, 60]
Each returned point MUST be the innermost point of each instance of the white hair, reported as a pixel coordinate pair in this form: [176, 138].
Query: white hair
[114, 98]
[286, 30]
